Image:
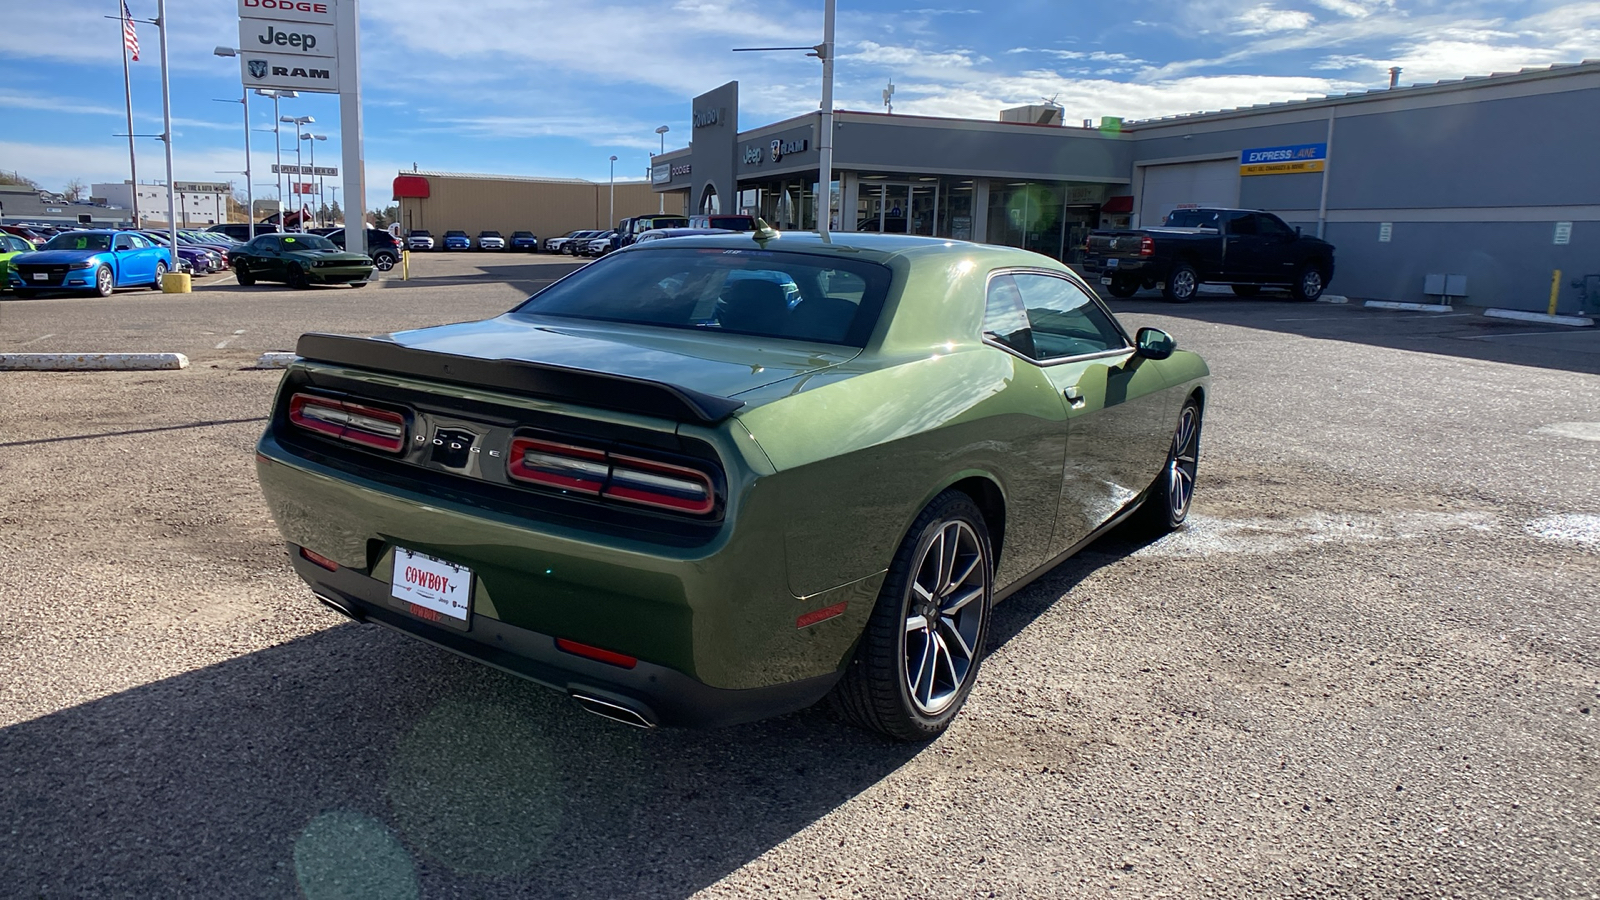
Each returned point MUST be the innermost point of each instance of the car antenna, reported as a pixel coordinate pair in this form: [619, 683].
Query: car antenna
[763, 232]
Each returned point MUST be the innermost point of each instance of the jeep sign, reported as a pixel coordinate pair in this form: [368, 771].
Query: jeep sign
[290, 38]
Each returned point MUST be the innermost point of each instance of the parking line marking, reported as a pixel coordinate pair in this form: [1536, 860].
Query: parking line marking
[1490, 337]
[36, 340]
[224, 344]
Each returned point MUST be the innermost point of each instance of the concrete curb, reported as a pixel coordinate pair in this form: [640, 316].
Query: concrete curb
[1414, 307]
[1333, 298]
[1545, 318]
[92, 362]
[276, 359]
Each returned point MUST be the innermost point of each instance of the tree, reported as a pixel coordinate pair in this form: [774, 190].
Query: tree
[17, 178]
[335, 214]
[383, 218]
[74, 189]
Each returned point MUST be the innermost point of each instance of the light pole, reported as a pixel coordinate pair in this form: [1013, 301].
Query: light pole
[313, 138]
[297, 121]
[277, 145]
[335, 190]
[613, 217]
[249, 188]
[662, 131]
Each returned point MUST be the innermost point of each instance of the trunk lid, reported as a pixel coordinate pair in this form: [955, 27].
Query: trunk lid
[708, 362]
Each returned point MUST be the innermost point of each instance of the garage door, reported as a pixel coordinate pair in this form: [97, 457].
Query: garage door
[1187, 184]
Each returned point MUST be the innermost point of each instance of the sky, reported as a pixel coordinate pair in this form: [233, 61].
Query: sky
[530, 87]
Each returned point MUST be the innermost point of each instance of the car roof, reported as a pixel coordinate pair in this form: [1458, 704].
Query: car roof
[859, 245]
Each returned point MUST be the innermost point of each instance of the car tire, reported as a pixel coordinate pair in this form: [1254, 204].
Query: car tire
[383, 261]
[1166, 503]
[161, 274]
[297, 278]
[104, 283]
[243, 274]
[1183, 283]
[1246, 290]
[1309, 283]
[895, 683]
[1123, 286]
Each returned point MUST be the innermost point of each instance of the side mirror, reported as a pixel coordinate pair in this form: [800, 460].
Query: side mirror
[1153, 343]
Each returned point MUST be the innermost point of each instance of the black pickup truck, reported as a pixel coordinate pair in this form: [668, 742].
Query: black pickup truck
[1245, 248]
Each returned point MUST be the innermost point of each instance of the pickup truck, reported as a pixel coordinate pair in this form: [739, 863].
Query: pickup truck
[1244, 248]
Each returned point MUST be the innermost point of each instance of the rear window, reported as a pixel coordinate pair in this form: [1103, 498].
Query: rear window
[796, 296]
[1192, 218]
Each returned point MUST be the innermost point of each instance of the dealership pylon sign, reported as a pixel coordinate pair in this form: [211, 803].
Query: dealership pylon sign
[314, 46]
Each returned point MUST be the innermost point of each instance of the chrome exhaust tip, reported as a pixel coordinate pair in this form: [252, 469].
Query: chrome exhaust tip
[616, 712]
[339, 606]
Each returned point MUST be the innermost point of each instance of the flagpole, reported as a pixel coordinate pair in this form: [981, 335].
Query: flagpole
[166, 135]
[127, 92]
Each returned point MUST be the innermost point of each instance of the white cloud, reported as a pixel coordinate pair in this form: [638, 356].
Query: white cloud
[1268, 19]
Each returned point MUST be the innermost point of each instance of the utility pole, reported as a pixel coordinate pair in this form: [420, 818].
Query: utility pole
[166, 132]
[825, 140]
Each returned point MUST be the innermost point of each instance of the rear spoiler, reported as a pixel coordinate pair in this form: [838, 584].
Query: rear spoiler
[515, 376]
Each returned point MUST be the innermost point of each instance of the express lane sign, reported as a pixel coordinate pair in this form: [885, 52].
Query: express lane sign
[1291, 160]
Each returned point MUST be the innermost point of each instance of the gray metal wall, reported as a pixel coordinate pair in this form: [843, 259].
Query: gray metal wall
[1466, 187]
[1061, 153]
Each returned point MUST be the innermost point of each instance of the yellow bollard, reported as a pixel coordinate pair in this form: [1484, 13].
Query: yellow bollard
[1555, 289]
[405, 265]
[176, 283]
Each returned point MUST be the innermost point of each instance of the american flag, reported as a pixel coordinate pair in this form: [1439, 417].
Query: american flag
[130, 38]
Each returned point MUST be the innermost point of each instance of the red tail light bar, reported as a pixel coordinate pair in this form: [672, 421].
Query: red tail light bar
[1147, 246]
[368, 426]
[629, 479]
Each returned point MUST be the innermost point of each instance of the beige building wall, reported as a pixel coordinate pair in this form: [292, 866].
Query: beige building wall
[548, 207]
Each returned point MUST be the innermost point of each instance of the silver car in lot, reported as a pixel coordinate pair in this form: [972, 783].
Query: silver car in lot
[420, 239]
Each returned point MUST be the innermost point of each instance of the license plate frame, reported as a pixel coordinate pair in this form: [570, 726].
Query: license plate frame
[432, 589]
[41, 276]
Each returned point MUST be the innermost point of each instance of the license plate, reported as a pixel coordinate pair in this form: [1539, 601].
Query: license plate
[1111, 263]
[431, 588]
[40, 276]
[1105, 279]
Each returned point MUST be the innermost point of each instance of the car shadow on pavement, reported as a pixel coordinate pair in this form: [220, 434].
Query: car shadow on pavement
[1465, 333]
[354, 762]
[1018, 611]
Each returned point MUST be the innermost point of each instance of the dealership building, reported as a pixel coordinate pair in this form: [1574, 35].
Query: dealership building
[1488, 179]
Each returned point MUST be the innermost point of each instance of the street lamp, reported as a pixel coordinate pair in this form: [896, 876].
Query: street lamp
[249, 189]
[277, 143]
[662, 131]
[297, 121]
[313, 138]
[613, 218]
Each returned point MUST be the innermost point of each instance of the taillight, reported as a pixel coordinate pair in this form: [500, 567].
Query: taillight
[614, 476]
[368, 426]
[1147, 246]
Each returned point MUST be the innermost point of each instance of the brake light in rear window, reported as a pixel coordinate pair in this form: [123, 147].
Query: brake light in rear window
[612, 476]
[368, 426]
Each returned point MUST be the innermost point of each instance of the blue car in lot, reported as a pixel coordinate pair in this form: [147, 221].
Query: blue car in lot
[457, 240]
[99, 261]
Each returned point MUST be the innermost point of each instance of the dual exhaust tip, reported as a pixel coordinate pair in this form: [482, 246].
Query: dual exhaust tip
[607, 709]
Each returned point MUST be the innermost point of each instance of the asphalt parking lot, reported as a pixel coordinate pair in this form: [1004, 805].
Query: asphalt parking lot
[1368, 667]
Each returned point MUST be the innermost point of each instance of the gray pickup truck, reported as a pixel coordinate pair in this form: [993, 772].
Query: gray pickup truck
[1245, 248]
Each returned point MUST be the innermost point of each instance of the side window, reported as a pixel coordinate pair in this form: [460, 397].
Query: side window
[1245, 224]
[140, 243]
[1272, 225]
[1065, 320]
[1005, 319]
[124, 242]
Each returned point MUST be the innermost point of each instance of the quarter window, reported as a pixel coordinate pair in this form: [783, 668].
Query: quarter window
[124, 242]
[1047, 317]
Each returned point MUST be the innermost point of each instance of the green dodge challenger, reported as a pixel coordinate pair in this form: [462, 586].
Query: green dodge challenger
[299, 260]
[711, 479]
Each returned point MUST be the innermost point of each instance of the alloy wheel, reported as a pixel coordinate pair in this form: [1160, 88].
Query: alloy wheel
[944, 617]
[102, 281]
[1185, 463]
[1183, 284]
[1311, 283]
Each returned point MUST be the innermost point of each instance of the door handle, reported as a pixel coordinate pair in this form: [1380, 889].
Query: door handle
[1074, 397]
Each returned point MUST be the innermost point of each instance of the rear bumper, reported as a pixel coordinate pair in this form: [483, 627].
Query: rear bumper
[656, 694]
[1143, 268]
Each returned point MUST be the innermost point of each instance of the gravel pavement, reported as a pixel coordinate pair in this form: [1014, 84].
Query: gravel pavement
[1368, 667]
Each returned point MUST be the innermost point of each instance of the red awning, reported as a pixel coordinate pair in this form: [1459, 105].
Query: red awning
[411, 186]
[1117, 205]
